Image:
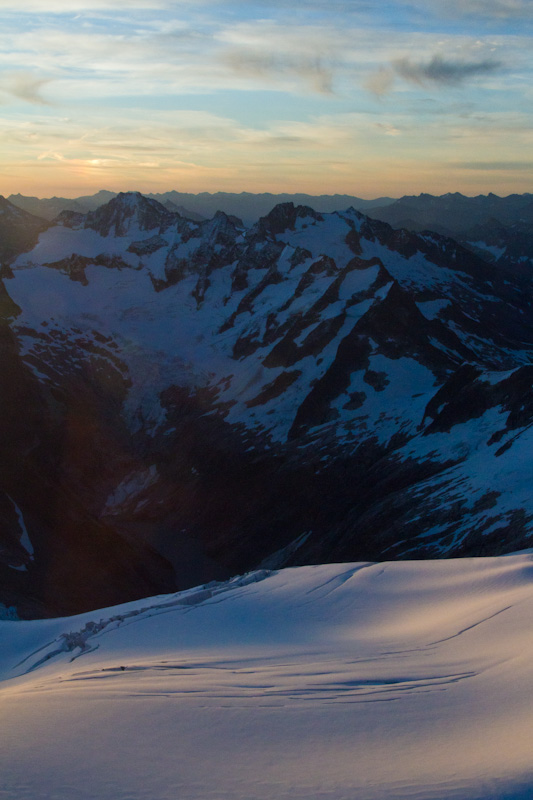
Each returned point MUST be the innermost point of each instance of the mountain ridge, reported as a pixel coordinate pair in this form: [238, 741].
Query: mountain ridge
[318, 384]
[246, 205]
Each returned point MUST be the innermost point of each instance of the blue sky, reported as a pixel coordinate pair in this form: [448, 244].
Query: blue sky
[366, 98]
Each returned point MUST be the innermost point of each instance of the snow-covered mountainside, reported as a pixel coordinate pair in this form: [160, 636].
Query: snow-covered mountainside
[389, 681]
[499, 229]
[504, 245]
[209, 398]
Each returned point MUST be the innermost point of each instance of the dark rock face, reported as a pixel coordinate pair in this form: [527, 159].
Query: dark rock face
[55, 556]
[352, 356]
[467, 396]
[126, 210]
[283, 217]
[192, 397]
[19, 230]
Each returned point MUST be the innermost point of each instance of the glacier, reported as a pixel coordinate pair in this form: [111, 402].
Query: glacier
[362, 681]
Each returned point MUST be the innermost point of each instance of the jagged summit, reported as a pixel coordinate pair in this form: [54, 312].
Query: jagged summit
[7, 207]
[283, 217]
[18, 230]
[126, 212]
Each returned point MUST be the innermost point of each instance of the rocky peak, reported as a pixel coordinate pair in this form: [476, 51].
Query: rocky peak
[19, 230]
[14, 212]
[222, 229]
[5, 205]
[283, 217]
[126, 212]
[70, 219]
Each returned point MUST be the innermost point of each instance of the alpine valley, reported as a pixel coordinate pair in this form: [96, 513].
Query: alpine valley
[187, 399]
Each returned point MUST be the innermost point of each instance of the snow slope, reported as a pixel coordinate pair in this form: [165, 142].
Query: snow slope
[346, 681]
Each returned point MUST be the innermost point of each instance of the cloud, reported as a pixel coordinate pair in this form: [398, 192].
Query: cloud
[440, 70]
[380, 82]
[283, 53]
[437, 71]
[485, 9]
[50, 155]
[71, 6]
[24, 86]
[143, 87]
[312, 70]
[388, 129]
[496, 166]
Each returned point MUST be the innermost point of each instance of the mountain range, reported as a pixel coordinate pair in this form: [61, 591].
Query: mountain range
[248, 206]
[489, 225]
[453, 213]
[189, 399]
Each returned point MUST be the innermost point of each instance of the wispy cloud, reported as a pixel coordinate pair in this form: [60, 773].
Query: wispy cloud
[439, 70]
[250, 64]
[252, 95]
[496, 166]
[283, 53]
[388, 129]
[484, 9]
[24, 86]
[380, 82]
[70, 6]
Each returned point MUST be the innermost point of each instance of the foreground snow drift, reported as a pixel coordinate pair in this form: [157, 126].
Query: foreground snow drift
[352, 681]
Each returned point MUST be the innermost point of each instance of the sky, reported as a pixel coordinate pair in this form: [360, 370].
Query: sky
[364, 97]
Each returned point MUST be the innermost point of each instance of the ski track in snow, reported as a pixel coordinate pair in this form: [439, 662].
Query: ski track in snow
[368, 681]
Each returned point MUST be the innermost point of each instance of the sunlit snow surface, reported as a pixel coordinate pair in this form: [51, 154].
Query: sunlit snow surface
[338, 682]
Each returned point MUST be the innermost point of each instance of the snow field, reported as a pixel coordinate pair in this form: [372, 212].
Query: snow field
[339, 682]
